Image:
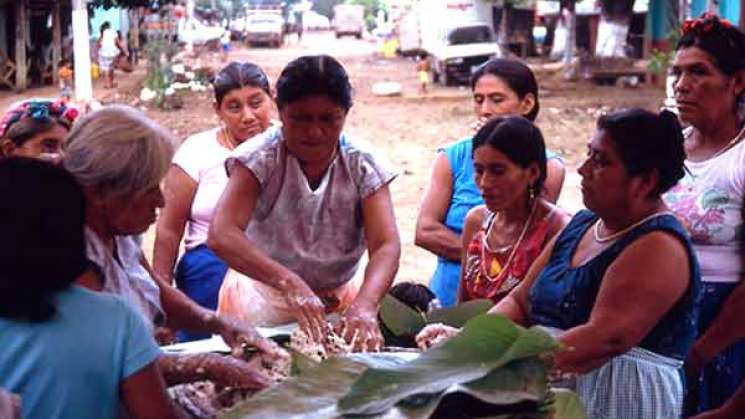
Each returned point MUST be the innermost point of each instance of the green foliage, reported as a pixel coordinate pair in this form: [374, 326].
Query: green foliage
[403, 322]
[128, 4]
[326, 7]
[159, 52]
[371, 10]
[660, 60]
[492, 367]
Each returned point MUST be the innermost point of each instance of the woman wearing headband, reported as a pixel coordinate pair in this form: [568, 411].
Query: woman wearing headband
[36, 128]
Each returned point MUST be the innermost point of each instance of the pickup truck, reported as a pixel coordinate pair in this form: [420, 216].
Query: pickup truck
[459, 49]
[265, 28]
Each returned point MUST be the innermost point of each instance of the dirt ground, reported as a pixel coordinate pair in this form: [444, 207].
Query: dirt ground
[411, 127]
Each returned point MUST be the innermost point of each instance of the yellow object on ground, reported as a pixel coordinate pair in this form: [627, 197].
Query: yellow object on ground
[95, 71]
[389, 48]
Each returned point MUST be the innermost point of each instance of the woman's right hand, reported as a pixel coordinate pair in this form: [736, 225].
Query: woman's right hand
[306, 307]
[434, 334]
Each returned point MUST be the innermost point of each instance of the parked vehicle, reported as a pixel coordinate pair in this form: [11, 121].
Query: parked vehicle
[314, 21]
[265, 28]
[349, 19]
[460, 49]
[195, 31]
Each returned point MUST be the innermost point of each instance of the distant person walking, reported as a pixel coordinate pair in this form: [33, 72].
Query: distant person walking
[422, 71]
[109, 47]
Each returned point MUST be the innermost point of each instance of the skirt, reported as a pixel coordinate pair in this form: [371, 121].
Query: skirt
[638, 384]
[721, 377]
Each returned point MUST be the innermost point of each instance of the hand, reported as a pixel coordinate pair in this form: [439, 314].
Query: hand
[359, 328]
[306, 306]
[434, 334]
[227, 371]
[239, 336]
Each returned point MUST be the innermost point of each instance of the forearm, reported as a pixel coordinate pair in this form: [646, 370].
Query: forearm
[511, 308]
[379, 274]
[165, 252]
[184, 314]
[735, 406]
[232, 246]
[181, 369]
[440, 240]
[588, 347]
[727, 327]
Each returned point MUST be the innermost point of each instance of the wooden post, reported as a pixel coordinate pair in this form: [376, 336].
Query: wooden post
[21, 70]
[56, 42]
[742, 15]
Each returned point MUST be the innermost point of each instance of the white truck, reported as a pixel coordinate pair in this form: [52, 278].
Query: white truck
[349, 19]
[457, 35]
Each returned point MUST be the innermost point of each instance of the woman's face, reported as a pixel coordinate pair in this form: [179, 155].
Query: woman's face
[606, 186]
[503, 183]
[702, 91]
[493, 97]
[246, 112]
[133, 214]
[311, 127]
[45, 145]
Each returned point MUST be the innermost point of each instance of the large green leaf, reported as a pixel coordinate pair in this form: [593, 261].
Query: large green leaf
[312, 394]
[487, 342]
[458, 315]
[567, 405]
[400, 319]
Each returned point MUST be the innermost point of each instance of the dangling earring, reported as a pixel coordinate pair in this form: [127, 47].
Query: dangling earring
[531, 193]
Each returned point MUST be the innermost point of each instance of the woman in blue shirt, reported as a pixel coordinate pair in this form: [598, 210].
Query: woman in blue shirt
[67, 352]
[500, 87]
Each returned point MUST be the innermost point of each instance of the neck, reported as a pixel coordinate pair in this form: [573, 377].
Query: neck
[717, 133]
[519, 212]
[96, 221]
[613, 223]
[314, 170]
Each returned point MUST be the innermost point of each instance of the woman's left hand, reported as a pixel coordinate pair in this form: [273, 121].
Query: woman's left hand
[359, 327]
[239, 336]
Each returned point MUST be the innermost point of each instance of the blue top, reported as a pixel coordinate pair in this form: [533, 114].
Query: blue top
[465, 196]
[71, 366]
[563, 296]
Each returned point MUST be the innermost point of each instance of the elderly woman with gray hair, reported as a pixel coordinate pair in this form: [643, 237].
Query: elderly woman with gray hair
[120, 157]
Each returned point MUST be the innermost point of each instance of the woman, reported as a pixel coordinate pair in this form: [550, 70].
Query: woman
[197, 178]
[619, 286]
[503, 237]
[120, 157]
[708, 83]
[302, 206]
[68, 352]
[500, 86]
[36, 128]
[109, 48]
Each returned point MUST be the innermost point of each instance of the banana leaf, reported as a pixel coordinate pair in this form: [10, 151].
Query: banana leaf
[486, 342]
[458, 315]
[567, 405]
[400, 323]
[399, 318]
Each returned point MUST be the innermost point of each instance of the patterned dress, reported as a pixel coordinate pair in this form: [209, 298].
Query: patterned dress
[709, 201]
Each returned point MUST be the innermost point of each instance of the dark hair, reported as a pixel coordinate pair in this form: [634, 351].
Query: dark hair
[647, 141]
[237, 75]
[416, 296]
[721, 40]
[517, 138]
[104, 26]
[518, 76]
[42, 248]
[314, 75]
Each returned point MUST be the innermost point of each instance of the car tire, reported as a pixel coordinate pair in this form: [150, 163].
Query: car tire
[359, 35]
[435, 75]
[446, 79]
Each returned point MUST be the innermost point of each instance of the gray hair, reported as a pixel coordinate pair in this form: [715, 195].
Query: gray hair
[118, 151]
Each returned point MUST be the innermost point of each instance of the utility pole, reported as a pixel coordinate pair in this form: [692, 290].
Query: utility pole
[82, 52]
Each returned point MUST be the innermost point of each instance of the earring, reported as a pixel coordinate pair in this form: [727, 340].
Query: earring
[531, 193]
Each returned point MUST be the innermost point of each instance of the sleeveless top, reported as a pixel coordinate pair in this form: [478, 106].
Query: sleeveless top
[564, 296]
[493, 274]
